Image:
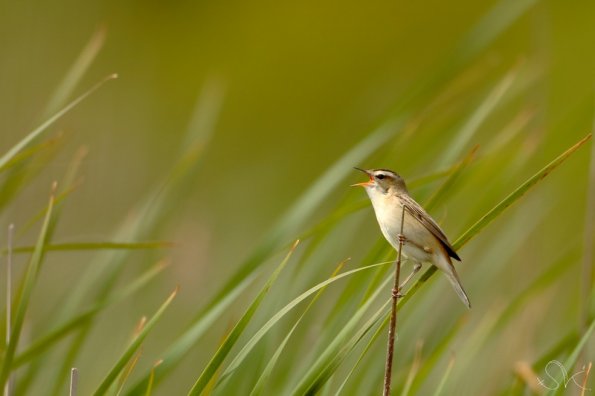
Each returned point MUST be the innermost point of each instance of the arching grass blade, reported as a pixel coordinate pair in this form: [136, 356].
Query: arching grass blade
[22, 302]
[217, 359]
[133, 347]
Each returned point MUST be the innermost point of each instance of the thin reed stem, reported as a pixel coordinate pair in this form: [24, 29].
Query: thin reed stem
[8, 389]
[74, 382]
[393, 317]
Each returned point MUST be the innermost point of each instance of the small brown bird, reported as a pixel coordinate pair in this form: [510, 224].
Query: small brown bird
[424, 240]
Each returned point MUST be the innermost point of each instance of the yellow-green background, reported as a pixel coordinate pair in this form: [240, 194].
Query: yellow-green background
[301, 83]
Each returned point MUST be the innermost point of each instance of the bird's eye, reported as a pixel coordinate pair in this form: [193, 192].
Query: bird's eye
[380, 176]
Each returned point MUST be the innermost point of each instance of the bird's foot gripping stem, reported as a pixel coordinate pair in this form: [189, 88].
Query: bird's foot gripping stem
[396, 293]
[402, 239]
[416, 268]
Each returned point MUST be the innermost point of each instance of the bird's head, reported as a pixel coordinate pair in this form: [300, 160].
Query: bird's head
[382, 180]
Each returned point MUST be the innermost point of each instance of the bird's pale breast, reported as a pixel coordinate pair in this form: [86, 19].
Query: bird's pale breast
[420, 245]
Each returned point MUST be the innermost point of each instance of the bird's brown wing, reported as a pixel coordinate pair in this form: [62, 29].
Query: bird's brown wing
[414, 209]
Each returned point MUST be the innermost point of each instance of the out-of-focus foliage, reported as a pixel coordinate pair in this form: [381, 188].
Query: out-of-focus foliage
[231, 132]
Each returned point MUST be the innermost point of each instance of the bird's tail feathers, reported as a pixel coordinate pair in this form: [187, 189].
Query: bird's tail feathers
[453, 278]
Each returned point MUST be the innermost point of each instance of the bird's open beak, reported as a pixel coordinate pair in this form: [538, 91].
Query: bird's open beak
[366, 183]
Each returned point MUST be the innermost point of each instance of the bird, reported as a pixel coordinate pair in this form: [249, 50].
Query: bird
[423, 239]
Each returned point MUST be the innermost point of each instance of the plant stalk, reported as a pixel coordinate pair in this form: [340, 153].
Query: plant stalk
[9, 387]
[393, 317]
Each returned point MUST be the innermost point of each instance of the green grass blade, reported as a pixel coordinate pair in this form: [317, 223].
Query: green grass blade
[284, 311]
[517, 194]
[146, 218]
[487, 29]
[17, 148]
[310, 200]
[291, 221]
[588, 245]
[60, 197]
[435, 355]
[424, 179]
[25, 167]
[453, 176]
[322, 369]
[510, 131]
[373, 338]
[202, 123]
[152, 378]
[76, 71]
[62, 330]
[380, 251]
[497, 211]
[442, 383]
[520, 381]
[424, 369]
[549, 276]
[263, 379]
[217, 359]
[96, 246]
[571, 360]
[310, 384]
[307, 203]
[131, 364]
[331, 178]
[133, 347]
[183, 343]
[33, 150]
[22, 302]
[414, 370]
[68, 185]
[557, 349]
[324, 375]
[260, 385]
[499, 18]
[476, 119]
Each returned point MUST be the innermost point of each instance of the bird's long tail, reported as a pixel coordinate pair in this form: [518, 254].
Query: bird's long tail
[453, 278]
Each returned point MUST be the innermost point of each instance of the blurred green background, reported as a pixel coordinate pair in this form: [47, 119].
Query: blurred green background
[288, 88]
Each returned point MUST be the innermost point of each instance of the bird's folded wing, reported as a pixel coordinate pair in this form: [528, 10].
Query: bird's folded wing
[426, 220]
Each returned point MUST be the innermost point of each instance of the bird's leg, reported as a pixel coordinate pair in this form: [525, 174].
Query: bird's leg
[396, 292]
[416, 268]
[402, 238]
